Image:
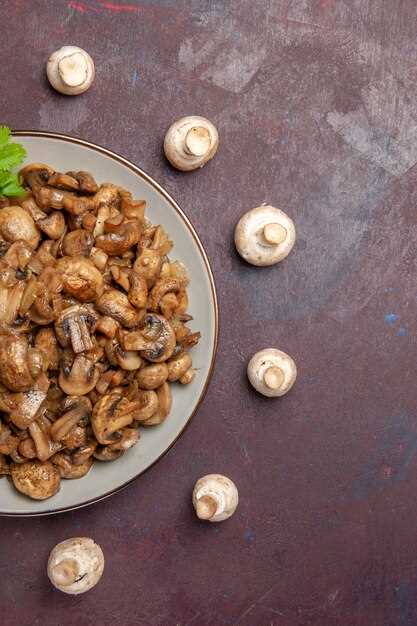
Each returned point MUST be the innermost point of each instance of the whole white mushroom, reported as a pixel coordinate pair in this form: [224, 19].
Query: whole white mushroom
[264, 235]
[272, 372]
[190, 142]
[70, 70]
[215, 498]
[75, 565]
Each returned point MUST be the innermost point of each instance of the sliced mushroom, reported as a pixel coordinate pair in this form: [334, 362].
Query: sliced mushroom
[159, 332]
[120, 241]
[110, 414]
[178, 366]
[45, 447]
[18, 255]
[115, 304]
[106, 454]
[16, 224]
[76, 408]
[108, 326]
[152, 376]
[53, 225]
[74, 327]
[36, 479]
[81, 278]
[18, 369]
[86, 182]
[264, 236]
[162, 287]
[84, 453]
[164, 406]
[81, 378]
[129, 438]
[77, 243]
[99, 258]
[23, 407]
[148, 265]
[46, 342]
[35, 175]
[138, 290]
[68, 469]
[149, 403]
[64, 181]
[190, 142]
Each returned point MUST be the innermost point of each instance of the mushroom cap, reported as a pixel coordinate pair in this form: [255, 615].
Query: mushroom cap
[36, 479]
[75, 565]
[250, 236]
[70, 70]
[272, 372]
[190, 142]
[215, 497]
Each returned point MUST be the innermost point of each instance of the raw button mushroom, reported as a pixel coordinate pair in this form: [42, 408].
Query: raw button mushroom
[215, 498]
[190, 142]
[272, 372]
[70, 70]
[264, 236]
[76, 565]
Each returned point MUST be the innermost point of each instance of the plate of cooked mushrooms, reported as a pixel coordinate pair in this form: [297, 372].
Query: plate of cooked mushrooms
[108, 324]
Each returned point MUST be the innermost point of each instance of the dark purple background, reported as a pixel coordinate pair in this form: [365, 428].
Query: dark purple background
[315, 101]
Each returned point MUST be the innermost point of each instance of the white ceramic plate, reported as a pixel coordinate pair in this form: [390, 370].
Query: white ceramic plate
[67, 153]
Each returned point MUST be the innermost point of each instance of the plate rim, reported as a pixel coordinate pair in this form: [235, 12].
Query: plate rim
[149, 179]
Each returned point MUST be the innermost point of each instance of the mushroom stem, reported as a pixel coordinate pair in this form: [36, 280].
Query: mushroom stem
[274, 377]
[197, 141]
[73, 69]
[206, 507]
[66, 572]
[274, 234]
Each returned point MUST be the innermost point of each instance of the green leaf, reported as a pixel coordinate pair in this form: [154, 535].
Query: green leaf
[9, 185]
[11, 155]
[4, 135]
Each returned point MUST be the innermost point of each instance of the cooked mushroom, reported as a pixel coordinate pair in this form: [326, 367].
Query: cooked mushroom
[264, 236]
[77, 242]
[215, 498]
[75, 408]
[162, 287]
[73, 327]
[81, 278]
[45, 447]
[23, 407]
[80, 378]
[16, 224]
[148, 405]
[35, 175]
[178, 366]
[152, 376]
[272, 372]
[19, 363]
[164, 406]
[190, 142]
[75, 565]
[161, 337]
[115, 304]
[110, 414]
[36, 479]
[64, 181]
[86, 182]
[46, 342]
[53, 225]
[148, 265]
[70, 70]
[68, 469]
[117, 243]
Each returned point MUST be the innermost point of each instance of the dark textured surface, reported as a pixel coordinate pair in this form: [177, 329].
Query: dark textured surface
[315, 101]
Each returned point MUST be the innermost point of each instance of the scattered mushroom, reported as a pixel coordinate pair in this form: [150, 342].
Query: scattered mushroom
[272, 372]
[190, 142]
[75, 565]
[264, 235]
[70, 70]
[215, 498]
